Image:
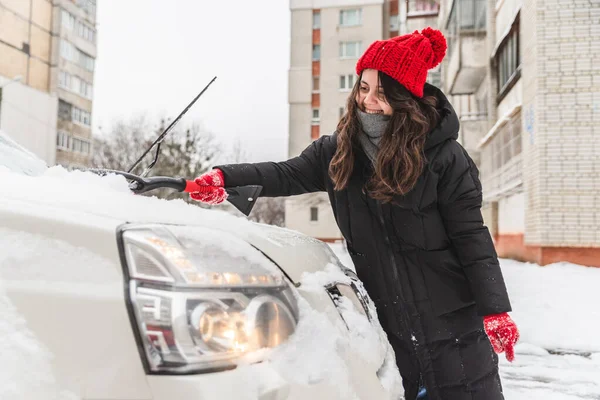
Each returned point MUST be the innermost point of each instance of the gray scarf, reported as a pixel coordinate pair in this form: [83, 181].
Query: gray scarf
[373, 127]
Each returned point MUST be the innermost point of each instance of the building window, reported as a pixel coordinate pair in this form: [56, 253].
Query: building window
[86, 61]
[62, 140]
[82, 88]
[64, 111]
[394, 24]
[346, 82]
[68, 20]
[73, 54]
[350, 49]
[81, 117]
[68, 51]
[80, 145]
[315, 116]
[316, 52]
[351, 17]
[85, 32]
[64, 80]
[422, 7]
[75, 84]
[314, 214]
[89, 6]
[316, 20]
[434, 77]
[506, 144]
[508, 60]
[315, 84]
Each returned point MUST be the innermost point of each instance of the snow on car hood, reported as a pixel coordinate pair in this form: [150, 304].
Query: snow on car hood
[89, 198]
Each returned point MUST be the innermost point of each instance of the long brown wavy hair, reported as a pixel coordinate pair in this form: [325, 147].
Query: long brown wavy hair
[400, 159]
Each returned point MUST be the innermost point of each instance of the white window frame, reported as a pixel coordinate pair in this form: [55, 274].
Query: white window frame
[422, 12]
[81, 117]
[317, 20]
[347, 82]
[317, 48]
[64, 80]
[86, 90]
[344, 49]
[394, 22]
[63, 140]
[85, 61]
[68, 20]
[68, 51]
[86, 32]
[346, 17]
[316, 116]
[80, 145]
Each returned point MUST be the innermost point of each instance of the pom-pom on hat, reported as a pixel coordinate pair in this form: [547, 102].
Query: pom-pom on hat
[406, 58]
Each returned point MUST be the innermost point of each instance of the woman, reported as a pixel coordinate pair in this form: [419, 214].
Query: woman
[407, 198]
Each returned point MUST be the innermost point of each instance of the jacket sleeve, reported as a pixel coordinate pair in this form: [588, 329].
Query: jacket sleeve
[459, 202]
[303, 174]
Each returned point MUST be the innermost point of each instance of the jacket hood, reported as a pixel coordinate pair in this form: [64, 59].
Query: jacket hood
[448, 126]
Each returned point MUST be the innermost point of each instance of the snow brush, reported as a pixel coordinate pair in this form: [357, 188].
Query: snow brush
[241, 197]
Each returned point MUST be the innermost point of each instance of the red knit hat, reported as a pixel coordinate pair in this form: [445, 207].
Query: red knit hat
[406, 58]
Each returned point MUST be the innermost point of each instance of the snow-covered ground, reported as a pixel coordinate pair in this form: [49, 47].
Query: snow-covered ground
[557, 309]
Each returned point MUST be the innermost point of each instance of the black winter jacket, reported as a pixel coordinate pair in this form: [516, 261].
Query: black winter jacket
[427, 260]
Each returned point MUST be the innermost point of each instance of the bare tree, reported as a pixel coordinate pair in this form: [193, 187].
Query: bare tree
[120, 147]
[185, 153]
[267, 210]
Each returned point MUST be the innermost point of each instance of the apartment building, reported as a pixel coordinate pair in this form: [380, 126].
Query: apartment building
[28, 110]
[73, 78]
[47, 53]
[327, 38]
[528, 83]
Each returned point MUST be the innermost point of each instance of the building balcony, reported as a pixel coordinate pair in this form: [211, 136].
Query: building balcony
[467, 57]
[505, 181]
[473, 127]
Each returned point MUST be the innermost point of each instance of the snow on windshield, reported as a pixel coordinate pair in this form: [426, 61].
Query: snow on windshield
[17, 159]
[72, 193]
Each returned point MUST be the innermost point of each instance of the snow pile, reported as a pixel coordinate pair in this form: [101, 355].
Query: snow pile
[318, 349]
[107, 196]
[557, 306]
[18, 159]
[27, 372]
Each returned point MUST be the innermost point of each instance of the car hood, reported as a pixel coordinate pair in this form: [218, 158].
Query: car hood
[84, 198]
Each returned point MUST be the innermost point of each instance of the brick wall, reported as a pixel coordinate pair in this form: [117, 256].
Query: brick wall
[561, 115]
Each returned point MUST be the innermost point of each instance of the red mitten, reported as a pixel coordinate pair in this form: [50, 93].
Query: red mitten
[503, 333]
[212, 178]
[210, 195]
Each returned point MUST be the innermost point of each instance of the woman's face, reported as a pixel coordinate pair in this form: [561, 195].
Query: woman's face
[370, 97]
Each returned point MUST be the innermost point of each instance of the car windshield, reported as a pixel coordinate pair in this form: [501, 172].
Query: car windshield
[18, 159]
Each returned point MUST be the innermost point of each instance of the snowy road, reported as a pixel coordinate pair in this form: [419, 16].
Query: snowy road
[557, 309]
[536, 374]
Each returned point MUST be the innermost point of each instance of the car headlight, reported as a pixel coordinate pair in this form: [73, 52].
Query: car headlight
[199, 300]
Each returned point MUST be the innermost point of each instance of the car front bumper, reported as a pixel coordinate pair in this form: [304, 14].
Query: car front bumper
[263, 382]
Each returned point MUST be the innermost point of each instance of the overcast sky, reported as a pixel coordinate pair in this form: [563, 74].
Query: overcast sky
[155, 56]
